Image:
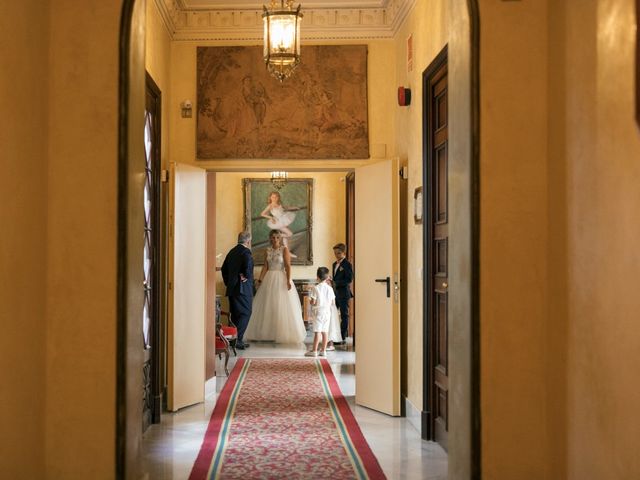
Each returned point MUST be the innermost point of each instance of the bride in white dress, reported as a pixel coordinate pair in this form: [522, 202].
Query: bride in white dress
[276, 314]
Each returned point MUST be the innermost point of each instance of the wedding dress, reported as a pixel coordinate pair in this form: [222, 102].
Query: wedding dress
[276, 313]
[334, 326]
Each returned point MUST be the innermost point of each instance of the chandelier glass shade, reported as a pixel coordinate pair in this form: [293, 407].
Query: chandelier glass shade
[279, 179]
[281, 38]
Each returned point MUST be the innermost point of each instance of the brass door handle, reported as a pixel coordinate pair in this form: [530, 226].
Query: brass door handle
[445, 284]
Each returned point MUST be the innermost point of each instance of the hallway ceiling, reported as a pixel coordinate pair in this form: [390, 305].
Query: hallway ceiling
[229, 20]
[253, 5]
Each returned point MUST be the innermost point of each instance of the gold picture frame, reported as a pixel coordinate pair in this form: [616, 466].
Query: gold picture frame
[294, 219]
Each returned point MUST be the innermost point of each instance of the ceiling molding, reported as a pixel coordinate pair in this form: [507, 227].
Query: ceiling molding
[167, 13]
[257, 5]
[402, 10]
[318, 24]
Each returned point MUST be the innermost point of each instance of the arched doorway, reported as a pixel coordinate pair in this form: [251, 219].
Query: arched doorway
[464, 449]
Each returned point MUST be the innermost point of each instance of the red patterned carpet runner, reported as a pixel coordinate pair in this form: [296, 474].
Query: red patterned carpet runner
[284, 419]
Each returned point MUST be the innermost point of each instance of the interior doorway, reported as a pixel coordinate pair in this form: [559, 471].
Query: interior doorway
[317, 224]
[225, 207]
[151, 314]
[350, 240]
[130, 304]
[436, 250]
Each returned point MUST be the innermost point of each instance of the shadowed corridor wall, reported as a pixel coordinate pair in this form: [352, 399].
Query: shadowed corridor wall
[560, 176]
[23, 215]
[559, 228]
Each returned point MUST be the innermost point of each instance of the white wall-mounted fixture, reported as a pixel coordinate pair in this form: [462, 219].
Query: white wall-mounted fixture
[186, 109]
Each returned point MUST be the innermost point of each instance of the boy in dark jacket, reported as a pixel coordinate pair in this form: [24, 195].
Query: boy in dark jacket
[342, 279]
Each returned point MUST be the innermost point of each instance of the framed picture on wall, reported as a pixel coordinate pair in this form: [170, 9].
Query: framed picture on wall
[320, 112]
[287, 208]
[417, 205]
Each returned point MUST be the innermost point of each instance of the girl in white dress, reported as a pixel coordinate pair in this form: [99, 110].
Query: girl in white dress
[276, 314]
[278, 217]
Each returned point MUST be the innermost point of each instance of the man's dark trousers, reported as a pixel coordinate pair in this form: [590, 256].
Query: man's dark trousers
[237, 273]
[240, 307]
[343, 306]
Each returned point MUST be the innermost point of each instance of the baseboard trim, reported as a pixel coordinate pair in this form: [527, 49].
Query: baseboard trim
[210, 387]
[413, 414]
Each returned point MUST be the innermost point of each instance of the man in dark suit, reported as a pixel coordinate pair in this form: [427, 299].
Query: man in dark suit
[342, 279]
[237, 273]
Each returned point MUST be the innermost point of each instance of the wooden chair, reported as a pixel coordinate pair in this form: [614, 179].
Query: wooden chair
[230, 331]
[222, 347]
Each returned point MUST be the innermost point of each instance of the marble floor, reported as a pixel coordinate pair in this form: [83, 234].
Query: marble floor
[170, 448]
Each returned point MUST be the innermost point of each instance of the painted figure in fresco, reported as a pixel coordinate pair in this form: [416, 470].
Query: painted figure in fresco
[256, 97]
[279, 217]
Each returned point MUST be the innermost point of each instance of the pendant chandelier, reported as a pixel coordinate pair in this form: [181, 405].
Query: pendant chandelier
[279, 179]
[281, 38]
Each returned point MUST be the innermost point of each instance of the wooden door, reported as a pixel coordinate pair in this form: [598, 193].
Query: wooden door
[187, 286]
[152, 387]
[377, 239]
[436, 243]
[350, 240]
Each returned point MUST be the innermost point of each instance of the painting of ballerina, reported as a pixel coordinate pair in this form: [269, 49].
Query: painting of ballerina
[319, 112]
[287, 209]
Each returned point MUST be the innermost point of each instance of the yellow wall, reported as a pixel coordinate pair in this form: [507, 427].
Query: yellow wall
[81, 239]
[23, 189]
[513, 238]
[328, 217]
[428, 23]
[577, 256]
[603, 230]
[158, 65]
[434, 25]
[58, 261]
[460, 288]
[559, 260]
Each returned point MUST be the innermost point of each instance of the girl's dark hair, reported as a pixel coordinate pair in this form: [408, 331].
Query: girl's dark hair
[322, 273]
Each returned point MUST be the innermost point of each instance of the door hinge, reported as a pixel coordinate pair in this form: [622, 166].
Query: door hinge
[164, 176]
